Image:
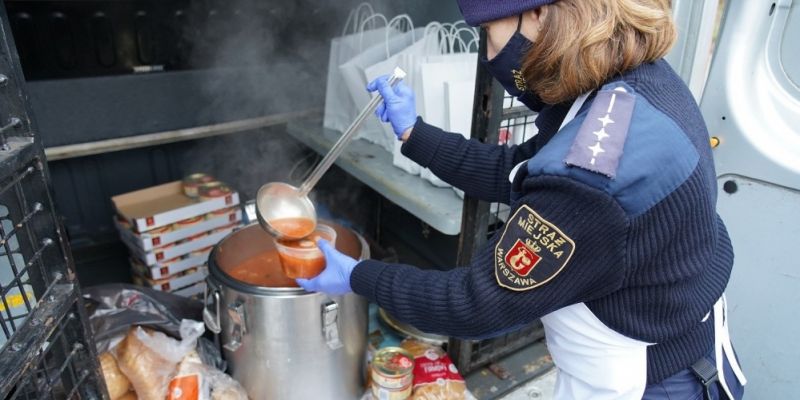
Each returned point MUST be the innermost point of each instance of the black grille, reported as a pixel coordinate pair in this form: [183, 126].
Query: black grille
[499, 119]
[46, 347]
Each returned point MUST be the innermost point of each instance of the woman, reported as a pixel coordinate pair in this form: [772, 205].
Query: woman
[613, 239]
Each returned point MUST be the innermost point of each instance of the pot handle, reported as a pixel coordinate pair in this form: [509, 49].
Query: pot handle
[238, 325]
[330, 325]
[209, 317]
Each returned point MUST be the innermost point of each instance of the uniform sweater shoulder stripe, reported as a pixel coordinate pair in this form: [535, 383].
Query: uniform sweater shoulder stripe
[657, 158]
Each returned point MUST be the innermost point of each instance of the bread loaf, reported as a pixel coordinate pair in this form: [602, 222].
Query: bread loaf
[147, 371]
[117, 383]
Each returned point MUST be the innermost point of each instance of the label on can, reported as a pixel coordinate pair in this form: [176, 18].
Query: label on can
[392, 373]
[386, 394]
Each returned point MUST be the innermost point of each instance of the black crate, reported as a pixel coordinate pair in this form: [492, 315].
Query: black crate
[499, 119]
[46, 346]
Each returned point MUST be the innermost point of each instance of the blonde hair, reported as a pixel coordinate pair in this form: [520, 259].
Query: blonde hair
[583, 43]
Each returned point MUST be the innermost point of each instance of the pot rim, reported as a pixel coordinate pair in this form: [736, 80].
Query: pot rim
[215, 272]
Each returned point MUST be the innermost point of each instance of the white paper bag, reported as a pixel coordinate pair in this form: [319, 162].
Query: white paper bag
[340, 110]
[435, 72]
[355, 78]
[409, 59]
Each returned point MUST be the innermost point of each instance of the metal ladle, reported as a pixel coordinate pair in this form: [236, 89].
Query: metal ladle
[278, 200]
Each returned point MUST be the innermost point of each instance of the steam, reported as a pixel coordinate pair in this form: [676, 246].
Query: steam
[270, 58]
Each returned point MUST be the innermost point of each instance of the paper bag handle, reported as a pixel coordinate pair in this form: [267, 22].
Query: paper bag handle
[354, 18]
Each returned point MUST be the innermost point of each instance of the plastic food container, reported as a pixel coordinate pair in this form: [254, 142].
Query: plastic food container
[302, 258]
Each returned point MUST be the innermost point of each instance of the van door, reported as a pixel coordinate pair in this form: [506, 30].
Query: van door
[751, 104]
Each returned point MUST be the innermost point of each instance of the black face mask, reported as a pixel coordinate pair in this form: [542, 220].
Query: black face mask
[506, 67]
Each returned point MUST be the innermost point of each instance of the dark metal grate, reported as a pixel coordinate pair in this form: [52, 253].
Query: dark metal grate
[516, 127]
[46, 350]
[59, 375]
[21, 249]
[46, 347]
[499, 119]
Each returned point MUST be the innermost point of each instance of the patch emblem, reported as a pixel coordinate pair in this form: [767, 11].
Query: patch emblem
[531, 251]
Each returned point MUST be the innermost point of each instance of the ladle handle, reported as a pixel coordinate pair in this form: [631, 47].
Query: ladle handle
[340, 144]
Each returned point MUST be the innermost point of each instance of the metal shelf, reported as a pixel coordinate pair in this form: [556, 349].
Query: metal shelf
[371, 164]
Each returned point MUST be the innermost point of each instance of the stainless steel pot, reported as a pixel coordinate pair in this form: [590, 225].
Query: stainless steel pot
[283, 342]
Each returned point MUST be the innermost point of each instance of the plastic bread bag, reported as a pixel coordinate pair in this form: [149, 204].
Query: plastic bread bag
[149, 358]
[435, 375]
[117, 383]
[195, 380]
[114, 308]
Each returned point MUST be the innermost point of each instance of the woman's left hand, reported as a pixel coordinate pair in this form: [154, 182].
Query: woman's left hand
[335, 278]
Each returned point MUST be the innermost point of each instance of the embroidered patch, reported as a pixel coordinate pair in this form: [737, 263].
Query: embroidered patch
[601, 138]
[531, 251]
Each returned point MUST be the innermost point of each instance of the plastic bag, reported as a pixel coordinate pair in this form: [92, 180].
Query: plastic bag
[113, 309]
[435, 376]
[149, 358]
[197, 381]
[117, 383]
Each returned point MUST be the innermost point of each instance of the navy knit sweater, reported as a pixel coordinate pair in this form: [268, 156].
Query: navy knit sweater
[651, 255]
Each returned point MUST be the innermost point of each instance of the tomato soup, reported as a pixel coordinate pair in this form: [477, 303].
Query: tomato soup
[293, 227]
[262, 270]
[302, 258]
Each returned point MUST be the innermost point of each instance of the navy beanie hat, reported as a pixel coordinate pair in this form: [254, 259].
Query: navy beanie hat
[477, 12]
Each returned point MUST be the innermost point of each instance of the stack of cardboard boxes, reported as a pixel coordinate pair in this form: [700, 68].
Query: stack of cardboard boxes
[170, 234]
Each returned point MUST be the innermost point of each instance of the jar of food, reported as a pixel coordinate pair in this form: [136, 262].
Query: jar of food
[302, 258]
[225, 228]
[392, 374]
[155, 234]
[159, 231]
[192, 183]
[229, 212]
[182, 224]
[201, 252]
[213, 190]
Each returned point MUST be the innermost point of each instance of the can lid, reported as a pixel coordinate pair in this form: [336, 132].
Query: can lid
[393, 361]
[213, 189]
[198, 178]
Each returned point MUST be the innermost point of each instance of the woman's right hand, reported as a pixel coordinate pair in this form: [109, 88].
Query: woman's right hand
[398, 106]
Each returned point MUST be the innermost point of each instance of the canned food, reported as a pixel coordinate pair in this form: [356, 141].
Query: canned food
[392, 374]
[155, 234]
[198, 236]
[160, 231]
[221, 212]
[201, 252]
[213, 190]
[160, 252]
[192, 183]
[225, 228]
[188, 222]
[124, 222]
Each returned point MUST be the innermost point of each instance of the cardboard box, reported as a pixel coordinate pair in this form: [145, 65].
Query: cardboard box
[164, 270]
[147, 242]
[161, 254]
[175, 282]
[194, 290]
[165, 204]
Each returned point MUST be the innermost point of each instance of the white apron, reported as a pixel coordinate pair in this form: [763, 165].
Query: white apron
[596, 362]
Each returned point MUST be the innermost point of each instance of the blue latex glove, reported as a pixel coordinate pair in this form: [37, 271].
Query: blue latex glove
[335, 278]
[398, 106]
